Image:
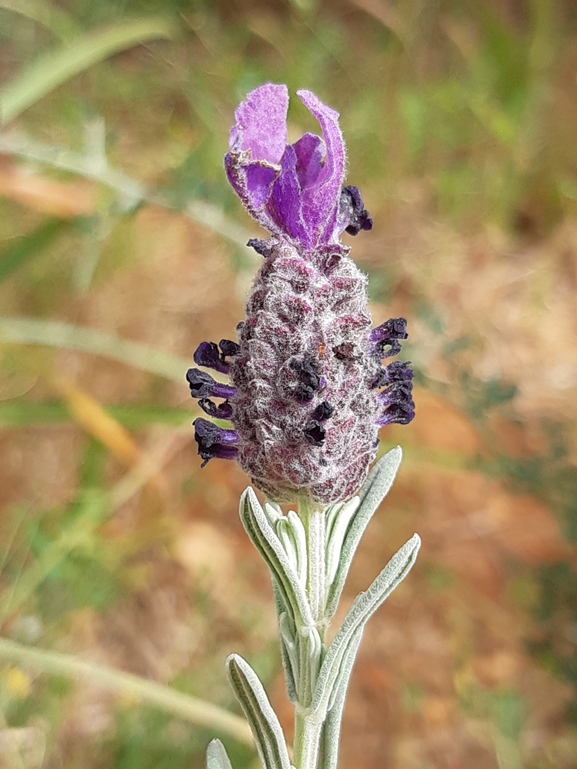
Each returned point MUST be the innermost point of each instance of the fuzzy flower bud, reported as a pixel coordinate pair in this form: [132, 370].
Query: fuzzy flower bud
[306, 398]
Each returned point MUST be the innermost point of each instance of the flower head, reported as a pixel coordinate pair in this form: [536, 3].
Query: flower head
[309, 391]
[292, 190]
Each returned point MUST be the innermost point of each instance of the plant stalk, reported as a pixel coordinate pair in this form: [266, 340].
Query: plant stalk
[308, 728]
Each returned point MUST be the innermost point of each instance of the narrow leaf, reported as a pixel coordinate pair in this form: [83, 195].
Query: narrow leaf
[268, 544]
[262, 719]
[300, 540]
[375, 489]
[335, 539]
[30, 246]
[216, 756]
[289, 656]
[50, 70]
[362, 609]
[333, 723]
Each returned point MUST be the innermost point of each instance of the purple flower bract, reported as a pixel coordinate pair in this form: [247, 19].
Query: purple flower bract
[292, 190]
[309, 391]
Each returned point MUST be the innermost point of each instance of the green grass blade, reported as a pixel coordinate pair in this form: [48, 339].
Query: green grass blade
[55, 334]
[29, 246]
[54, 19]
[52, 69]
[22, 413]
[193, 709]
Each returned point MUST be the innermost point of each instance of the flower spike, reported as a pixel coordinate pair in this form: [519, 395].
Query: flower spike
[308, 390]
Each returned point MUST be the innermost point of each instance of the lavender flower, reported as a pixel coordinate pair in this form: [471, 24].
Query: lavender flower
[306, 399]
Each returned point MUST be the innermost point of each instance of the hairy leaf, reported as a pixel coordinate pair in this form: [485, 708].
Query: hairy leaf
[216, 756]
[268, 544]
[375, 489]
[363, 607]
[332, 728]
[265, 726]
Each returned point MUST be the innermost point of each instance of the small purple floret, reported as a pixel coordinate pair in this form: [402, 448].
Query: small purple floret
[387, 335]
[209, 433]
[228, 349]
[213, 356]
[323, 411]
[394, 328]
[207, 354]
[202, 385]
[398, 413]
[352, 209]
[214, 442]
[220, 411]
[395, 372]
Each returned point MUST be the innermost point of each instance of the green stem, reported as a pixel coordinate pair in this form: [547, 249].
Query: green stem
[308, 729]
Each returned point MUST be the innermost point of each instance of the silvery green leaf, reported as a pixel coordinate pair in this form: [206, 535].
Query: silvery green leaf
[332, 728]
[289, 653]
[268, 544]
[336, 534]
[216, 756]
[371, 495]
[300, 540]
[363, 607]
[315, 647]
[272, 511]
[310, 655]
[264, 724]
[332, 513]
[285, 534]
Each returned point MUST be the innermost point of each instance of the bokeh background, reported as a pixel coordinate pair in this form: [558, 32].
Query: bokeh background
[121, 248]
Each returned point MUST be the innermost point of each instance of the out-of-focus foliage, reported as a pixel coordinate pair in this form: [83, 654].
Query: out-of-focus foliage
[116, 226]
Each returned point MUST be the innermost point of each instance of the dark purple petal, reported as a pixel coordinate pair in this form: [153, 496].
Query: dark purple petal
[202, 385]
[210, 433]
[395, 372]
[323, 411]
[399, 371]
[353, 216]
[307, 371]
[310, 151]
[220, 411]
[207, 354]
[397, 398]
[394, 328]
[214, 442]
[397, 392]
[320, 201]
[262, 247]
[315, 434]
[285, 205]
[228, 349]
[398, 413]
[388, 335]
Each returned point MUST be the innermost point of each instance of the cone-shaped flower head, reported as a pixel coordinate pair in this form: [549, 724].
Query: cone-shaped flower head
[307, 396]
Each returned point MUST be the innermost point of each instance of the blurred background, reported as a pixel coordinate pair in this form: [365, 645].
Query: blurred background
[122, 247]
